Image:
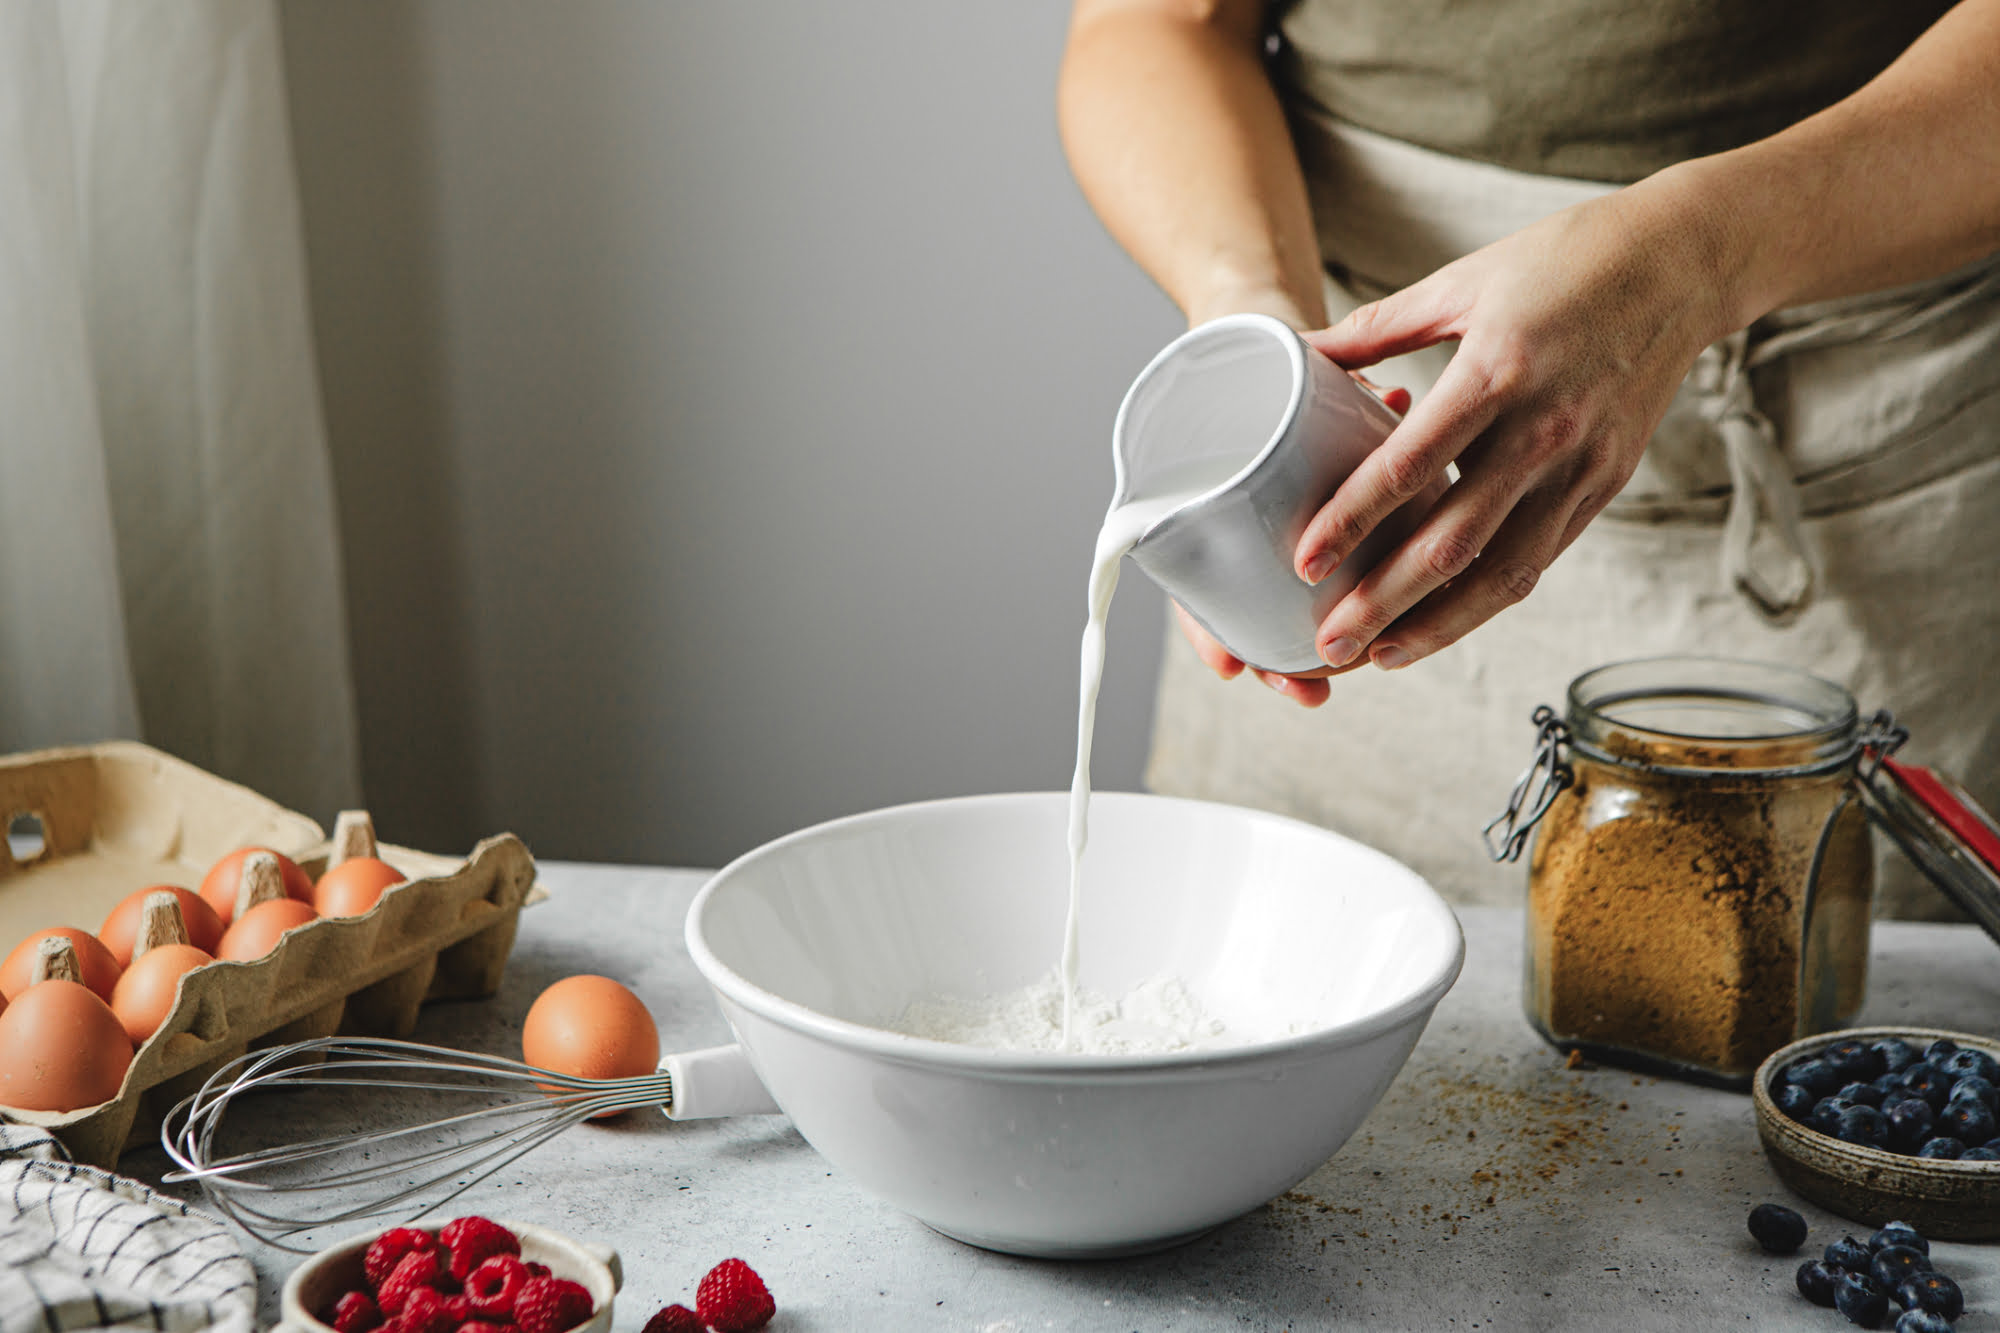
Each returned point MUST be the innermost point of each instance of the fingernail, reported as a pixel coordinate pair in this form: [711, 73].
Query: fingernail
[1275, 682]
[1340, 652]
[1391, 658]
[1318, 568]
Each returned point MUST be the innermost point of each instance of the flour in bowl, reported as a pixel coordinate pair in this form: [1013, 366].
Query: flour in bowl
[1157, 1015]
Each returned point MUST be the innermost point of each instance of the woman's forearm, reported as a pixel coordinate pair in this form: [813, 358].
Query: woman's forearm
[1180, 145]
[1898, 182]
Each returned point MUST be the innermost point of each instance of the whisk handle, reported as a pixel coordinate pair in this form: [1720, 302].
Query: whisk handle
[715, 1082]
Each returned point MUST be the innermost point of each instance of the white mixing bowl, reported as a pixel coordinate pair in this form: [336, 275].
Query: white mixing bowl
[1278, 927]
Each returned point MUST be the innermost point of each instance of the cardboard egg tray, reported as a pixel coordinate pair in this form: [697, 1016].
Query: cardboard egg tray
[122, 816]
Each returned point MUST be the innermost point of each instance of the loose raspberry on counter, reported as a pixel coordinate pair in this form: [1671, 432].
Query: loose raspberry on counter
[674, 1319]
[551, 1304]
[493, 1288]
[356, 1312]
[474, 1240]
[389, 1249]
[417, 1272]
[733, 1299]
[423, 1312]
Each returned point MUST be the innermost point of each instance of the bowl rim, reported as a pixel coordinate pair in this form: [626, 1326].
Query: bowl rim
[1780, 1126]
[902, 1048]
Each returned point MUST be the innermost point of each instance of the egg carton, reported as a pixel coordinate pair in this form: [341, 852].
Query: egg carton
[120, 816]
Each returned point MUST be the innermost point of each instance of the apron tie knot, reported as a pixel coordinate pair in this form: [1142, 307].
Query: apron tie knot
[1765, 554]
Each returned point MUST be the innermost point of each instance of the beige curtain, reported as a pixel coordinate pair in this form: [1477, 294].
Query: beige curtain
[169, 561]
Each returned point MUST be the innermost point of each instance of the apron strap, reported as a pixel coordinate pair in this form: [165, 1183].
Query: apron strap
[1765, 554]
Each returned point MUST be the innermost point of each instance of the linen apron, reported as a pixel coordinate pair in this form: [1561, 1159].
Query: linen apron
[1824, 491]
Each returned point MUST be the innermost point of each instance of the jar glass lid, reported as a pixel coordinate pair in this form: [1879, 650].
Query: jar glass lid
[1942, 828]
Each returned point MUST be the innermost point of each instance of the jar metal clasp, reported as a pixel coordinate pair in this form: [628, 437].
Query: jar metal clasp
[1536, 790]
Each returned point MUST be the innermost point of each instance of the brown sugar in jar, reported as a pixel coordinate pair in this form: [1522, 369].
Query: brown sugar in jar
[1699, 891]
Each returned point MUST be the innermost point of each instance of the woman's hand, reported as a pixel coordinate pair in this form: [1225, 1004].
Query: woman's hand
[1573, 335]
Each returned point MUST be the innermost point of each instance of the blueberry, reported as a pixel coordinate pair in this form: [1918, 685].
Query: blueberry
[1974, 1088]
[1910, 1123]
[1933, 1292]
[1777, 1228]
[1896, 1054]
[1857, 1296]
[1866, 1126]
[1893, 1263]
[1940, 1048]
[1816, 1281]
[1854, 1060]
[1890, 1086]
[1968, 1063]
[1849, 1255]
[1862, 1094]
[1826, 1114]
[1929, 1082]
[1922, 1321]
[1943, 1147]
[1968, 1121]
[1796, 1102]
[1898, 1233]
[1985, 1152]
[1814, 1075]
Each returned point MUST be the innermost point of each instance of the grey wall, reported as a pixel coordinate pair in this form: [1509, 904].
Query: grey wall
[720, 398]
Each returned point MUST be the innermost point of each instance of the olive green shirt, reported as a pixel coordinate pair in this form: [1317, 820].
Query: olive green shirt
[1590, 89]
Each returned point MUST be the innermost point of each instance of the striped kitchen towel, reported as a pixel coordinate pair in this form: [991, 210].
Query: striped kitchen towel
[81, 1248]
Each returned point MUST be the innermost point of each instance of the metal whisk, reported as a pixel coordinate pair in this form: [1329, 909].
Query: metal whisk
[274, 1193]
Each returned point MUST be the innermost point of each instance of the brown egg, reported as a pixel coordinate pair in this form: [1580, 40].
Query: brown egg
[120, 930]
[218, 886]
[61, 1049]
[145, 994]
[591, 1027]
[259, 930]
[100, 969]
[353, 886]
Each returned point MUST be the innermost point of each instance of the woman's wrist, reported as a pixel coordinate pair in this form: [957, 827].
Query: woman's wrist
[1230, 295]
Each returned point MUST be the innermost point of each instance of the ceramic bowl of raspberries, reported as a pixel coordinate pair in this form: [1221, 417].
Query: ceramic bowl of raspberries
[470, 1275]
[1879, 1124]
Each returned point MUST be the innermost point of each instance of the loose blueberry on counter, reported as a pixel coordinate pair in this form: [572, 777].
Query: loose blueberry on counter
[1849, 1255]
[1968, 1121]
[1933, 1292]
[1816, 1280]
[1854, 1060]
[1976, 1088]
[1777, 1228]
[1943, 1148]
[1968, 1063]
[1814, 1075]
[1940, 1048]
[1864, 1125]
[1898, 1233]
[1910, 1123]
[1861, 1299]
[1796, 1102]
[1894, 1263]
[1862, 1094]
[1896, 1054]
[1985, 1152]
[1923, 1321]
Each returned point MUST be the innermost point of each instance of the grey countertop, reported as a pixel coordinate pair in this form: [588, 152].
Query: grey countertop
[1492, 1188]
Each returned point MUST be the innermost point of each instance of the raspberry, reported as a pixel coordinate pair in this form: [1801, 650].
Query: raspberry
[493, 1288]
[538, 1270]
[733, 1299]
[459, 1307]
[389, 1249]
[424, 1312]
[474, 1240]
[552, 1304]
[356, 1312]
[481, 1326]
[672, 1319]
[417, 1272]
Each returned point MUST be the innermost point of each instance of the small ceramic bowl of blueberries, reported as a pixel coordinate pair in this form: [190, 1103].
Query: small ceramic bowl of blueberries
[1879, 1124]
